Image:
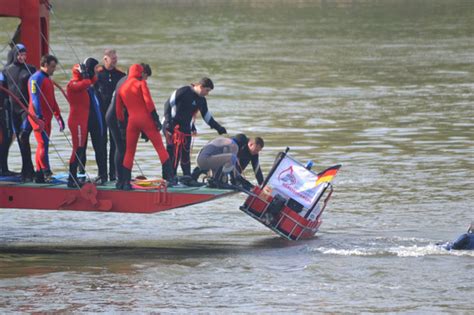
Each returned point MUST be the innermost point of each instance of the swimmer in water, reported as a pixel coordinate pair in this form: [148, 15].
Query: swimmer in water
[463, 242]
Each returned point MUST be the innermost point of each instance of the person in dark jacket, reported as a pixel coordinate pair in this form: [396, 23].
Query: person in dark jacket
[249, 150]
[17, 75]
[107, 78]
[6, 131]
[180, 109]
[117, 135]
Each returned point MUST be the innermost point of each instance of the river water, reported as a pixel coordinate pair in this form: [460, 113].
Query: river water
[384, 87]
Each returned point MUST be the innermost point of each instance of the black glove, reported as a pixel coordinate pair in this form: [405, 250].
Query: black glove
[61, 123]
[221, 130]
[193, 129]
[156, 119]
[215, 125]
[144, 137]
[168, 127]
[83, 70]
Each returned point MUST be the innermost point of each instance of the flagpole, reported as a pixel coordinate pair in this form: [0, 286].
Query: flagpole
[280, 158]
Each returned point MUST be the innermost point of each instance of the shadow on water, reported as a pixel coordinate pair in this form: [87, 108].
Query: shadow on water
[41, 259]
[155, 249]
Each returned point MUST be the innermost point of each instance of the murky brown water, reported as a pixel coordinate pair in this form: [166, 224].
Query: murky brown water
[384, 87]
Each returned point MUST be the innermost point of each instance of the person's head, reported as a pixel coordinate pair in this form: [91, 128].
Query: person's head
[146, 71]
[20, 53]
[110, 59]
[256, 145]
[90, 65]
[203, 87]
[48, 64]
[77, 72]
[135, 71]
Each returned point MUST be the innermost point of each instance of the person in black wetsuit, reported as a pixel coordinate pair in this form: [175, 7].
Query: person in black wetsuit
[107, 78]
[6, 128]
[178, 126]
[17, 74]
[117, 134]
[6, 131]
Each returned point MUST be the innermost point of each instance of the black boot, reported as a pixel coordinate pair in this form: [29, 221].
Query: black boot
[100, 180]
[72, 181]
[220, 177]
[239, 182]
[214, 180]
[120, 177]
[196, 173]
[168, 173]
[80, 164]
[28, 177]
[219, 180]
[39, 177]
[48, 176]
[127, 177]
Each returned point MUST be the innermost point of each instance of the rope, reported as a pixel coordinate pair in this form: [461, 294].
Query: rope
[179, 143]
[138, 165]
[59, 63]
[23, 106]
[66, 38]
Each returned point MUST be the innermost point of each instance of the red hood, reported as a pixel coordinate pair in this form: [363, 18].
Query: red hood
[135, 71]
[76, 73]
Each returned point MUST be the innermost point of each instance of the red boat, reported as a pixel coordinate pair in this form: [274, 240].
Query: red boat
[288, 202]
[33, 31]
[102, 198]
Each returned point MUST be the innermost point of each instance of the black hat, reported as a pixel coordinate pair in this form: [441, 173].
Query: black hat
[90, 64]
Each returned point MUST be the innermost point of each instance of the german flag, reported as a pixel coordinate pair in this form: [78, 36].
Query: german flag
[328, 174]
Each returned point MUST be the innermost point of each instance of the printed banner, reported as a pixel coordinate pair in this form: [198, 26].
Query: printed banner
[294, 181]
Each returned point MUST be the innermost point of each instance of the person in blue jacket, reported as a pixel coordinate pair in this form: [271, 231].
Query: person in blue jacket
[463, 242]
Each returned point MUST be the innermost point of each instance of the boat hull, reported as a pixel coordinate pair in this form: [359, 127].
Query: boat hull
[103, 198]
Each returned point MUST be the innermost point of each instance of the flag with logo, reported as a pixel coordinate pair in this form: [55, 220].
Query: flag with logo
[293, 180]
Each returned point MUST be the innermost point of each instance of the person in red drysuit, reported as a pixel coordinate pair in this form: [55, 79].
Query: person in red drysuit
[135, 96]
[79, 100]
[43, 105]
